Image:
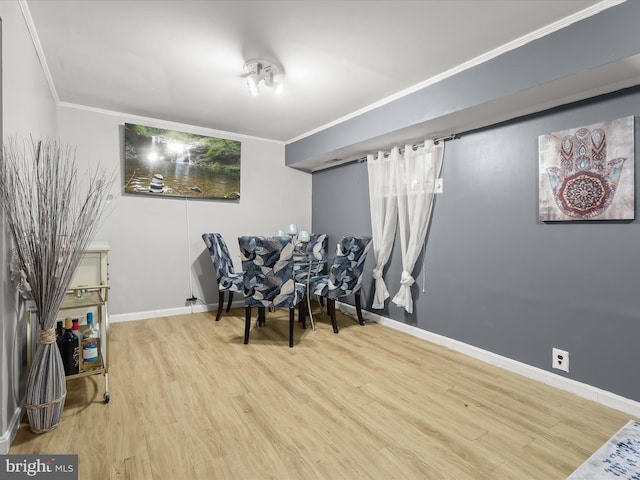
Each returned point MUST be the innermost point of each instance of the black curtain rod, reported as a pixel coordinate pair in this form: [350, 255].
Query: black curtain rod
[451, 136]
[436, 141]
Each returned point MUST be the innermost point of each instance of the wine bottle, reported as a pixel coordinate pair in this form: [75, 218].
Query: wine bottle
[70, 349]
[59, 334]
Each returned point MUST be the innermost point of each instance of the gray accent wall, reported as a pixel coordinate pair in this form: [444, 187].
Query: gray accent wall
[497, 278]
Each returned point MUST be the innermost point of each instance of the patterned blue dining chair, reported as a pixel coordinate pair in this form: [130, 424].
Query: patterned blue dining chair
[314, 250]
[268, 279]
[226, 278]
[345, 276]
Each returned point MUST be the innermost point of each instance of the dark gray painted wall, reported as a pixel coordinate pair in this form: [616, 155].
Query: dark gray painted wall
[496, 277]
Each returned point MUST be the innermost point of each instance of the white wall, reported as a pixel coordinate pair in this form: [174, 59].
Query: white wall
[28, 108]
[157, 256]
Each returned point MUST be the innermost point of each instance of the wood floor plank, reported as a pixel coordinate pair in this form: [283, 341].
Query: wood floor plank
[190, 400]
[135, 467]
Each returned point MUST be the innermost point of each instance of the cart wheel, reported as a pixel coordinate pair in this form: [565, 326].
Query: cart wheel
[106, 398]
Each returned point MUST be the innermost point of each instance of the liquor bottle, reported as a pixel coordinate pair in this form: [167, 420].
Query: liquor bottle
[91, 345]
[76, 328]
[70, 349]
[59, 332]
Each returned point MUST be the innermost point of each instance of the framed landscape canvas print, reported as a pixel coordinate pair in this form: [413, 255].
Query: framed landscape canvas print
[168, 163]
[587, 173]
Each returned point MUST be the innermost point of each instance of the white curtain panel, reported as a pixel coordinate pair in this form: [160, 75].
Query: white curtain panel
[416, 174]
[384, 216]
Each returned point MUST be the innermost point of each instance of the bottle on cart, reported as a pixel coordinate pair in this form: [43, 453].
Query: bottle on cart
[76, 328]
[91, 345]
[59, 333]
[70, 349]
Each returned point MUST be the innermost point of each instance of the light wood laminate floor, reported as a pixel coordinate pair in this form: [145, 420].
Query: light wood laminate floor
[190, 401]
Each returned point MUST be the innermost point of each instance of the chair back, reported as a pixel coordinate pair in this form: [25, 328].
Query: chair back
[220, 256]
[345, 274]
[317, 246]
[314, 249]
[267, 263]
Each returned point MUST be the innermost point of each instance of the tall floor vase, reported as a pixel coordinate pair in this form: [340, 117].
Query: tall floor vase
[46, 385]
[52, 218]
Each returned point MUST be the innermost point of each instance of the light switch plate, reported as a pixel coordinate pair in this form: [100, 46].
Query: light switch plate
[438, 186]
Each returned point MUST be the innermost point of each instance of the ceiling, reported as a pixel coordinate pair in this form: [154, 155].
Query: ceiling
[182, 61]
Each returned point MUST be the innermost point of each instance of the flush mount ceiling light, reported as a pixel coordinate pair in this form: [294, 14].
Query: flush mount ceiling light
[261, 72]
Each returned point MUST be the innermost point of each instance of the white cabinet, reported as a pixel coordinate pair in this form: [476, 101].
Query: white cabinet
[88, 292]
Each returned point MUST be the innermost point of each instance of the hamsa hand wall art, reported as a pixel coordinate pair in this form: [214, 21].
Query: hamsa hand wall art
[587, 173]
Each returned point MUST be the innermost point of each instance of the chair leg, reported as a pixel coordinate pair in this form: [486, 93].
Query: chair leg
[229, 301]
[220, 304]
[247, 324]
[306, 310]
[262, 315]
[359, 309]
[302, 313]
[331, 306]
[292, 320]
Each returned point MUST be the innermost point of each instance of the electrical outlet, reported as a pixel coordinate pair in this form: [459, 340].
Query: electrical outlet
[438, 186]
[560, 359]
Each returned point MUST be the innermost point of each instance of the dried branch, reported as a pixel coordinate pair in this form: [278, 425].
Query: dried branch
[52, 220]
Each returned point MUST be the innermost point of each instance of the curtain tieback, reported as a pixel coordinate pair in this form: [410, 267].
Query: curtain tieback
[406, 279]
[377, 273]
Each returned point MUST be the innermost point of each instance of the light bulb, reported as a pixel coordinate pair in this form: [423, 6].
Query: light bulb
[252, 84]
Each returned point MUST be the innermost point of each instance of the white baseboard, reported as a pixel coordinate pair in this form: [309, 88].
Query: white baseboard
[8, 436]
[198, 308]
[583, 390]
